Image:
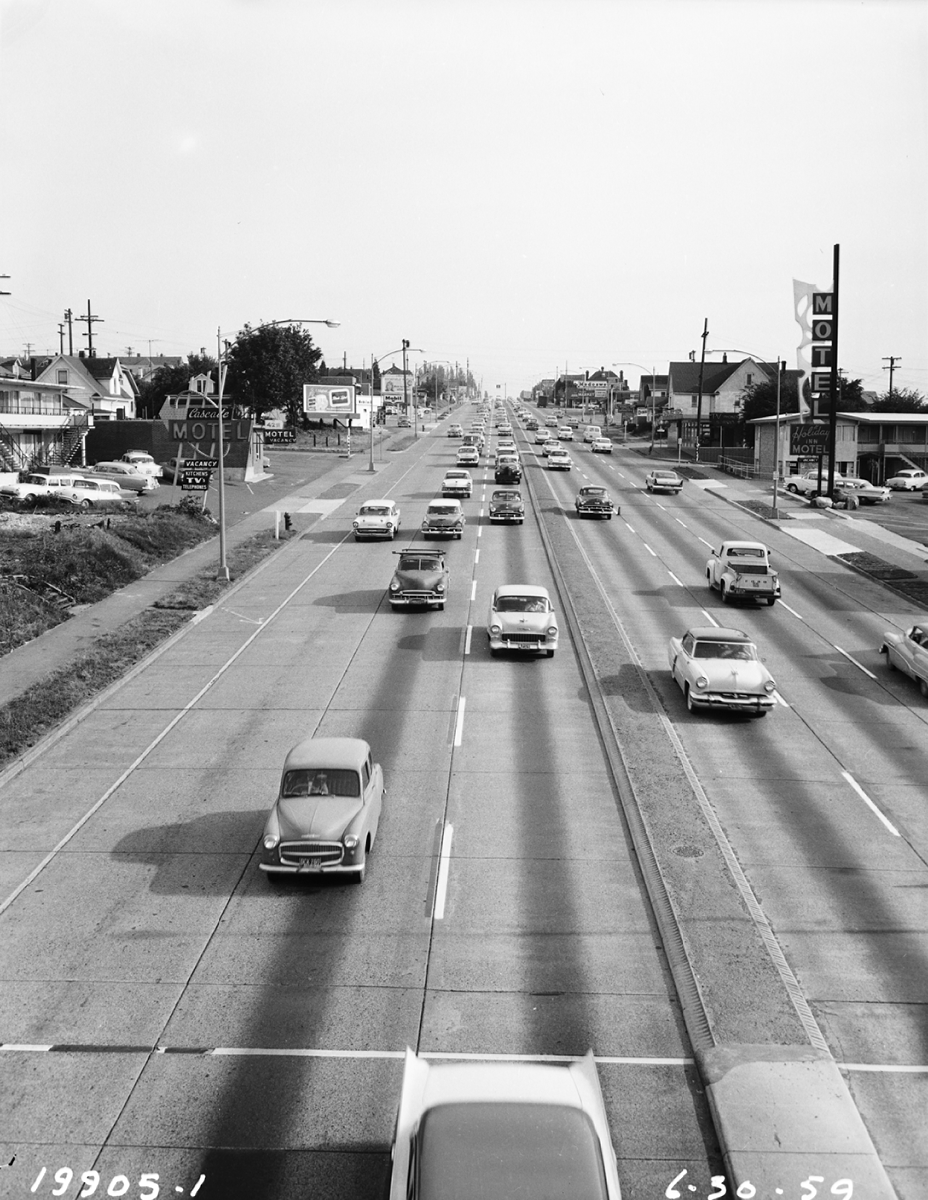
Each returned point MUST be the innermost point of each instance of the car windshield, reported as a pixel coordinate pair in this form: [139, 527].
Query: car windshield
[741, 650]
[531, 604]
[419, 562]
[508, 1151]
[441, 510]
[375, 510]
[317, 781]
[592, 491]
[507, 496]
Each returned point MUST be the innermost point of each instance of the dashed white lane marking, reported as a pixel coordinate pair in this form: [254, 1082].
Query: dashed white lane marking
[628, 527]
[779, 699]
[791, 610]
[851, 658]
[473, 590]
[480, 514]
[649, 550]
[709, 617]
[468, 636]
[459, 722]
[444, 866]
[479, 530]
[674, 578]
[659, 505]
[477, 554]
[683, 523]
[866, 799]
[705, 543]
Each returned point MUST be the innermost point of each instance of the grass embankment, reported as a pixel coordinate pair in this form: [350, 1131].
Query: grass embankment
[93, 563]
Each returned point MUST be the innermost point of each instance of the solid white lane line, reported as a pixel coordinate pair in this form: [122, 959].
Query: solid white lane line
[467, 637]
[649, 550]
[674, 578]
[473, 590]
[851, 658]
[791, 610]
[444, 866]
[866, 799]
[459, 722]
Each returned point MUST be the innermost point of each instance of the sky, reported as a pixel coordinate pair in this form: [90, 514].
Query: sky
[526, 186]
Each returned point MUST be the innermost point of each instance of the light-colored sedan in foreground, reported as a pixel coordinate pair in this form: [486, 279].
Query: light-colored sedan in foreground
[719, 668]
[325, 818]
[376, 519]
[908, 652]
[601, 445]
[559, 460]
[522, 618]
[498, 1130]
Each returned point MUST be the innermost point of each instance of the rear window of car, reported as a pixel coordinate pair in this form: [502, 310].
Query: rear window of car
[320, 781]
[507, 1151]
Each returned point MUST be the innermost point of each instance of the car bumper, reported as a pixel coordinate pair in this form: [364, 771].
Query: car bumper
[743, 593]
[416, 599]
[363, 532]
[586, 510]
[540, 646]
[312, 869]
[451, 531]
[456, 494]
[508, 518]
[731, 702]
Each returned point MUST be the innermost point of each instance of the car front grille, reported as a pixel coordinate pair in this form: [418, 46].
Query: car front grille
[416, 597]
[295, 854]
[524, 639]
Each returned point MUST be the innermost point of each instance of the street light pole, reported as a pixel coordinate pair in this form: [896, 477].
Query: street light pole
[220, 439]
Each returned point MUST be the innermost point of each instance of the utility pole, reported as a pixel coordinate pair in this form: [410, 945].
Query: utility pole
[90, 318]
[69, 317]
[61, 337]
[702, 368]
[28, 346]
[892, 359]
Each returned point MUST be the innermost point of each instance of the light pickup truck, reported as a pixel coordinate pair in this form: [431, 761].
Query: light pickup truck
[742, 571]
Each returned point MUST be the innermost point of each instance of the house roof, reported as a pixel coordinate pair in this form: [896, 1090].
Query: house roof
[686, 375]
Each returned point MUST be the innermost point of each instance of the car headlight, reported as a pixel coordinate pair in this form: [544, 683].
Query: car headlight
[394, 586]
[496, 630]
[439, 587]
[552, 631]
[389, 524]
[769, 686]
[702, 682]
[356, 524]
[271, 841]
[350, 841]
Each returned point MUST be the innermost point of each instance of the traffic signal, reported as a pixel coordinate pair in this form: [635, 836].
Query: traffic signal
[288, 522]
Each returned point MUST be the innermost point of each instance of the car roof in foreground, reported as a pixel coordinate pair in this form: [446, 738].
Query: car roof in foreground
[346, 753]
[713, 633]
[521, 589]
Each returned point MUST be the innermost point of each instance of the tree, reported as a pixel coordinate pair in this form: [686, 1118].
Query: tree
[268, 365]
[903, 400]
[168, 381]
[851, 395]
[760, 399]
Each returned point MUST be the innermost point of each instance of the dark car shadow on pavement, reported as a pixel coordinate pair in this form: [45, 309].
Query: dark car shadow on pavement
[366, 600]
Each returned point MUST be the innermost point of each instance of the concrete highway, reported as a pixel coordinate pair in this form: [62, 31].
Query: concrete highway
[164, 1010]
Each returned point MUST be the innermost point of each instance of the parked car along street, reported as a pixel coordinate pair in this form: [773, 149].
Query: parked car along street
[907, 480]
[126, 476]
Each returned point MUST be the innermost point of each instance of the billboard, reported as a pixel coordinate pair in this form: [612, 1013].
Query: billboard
[322, 400]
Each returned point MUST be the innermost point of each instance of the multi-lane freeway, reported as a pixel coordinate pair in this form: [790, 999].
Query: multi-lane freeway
[165, 1011]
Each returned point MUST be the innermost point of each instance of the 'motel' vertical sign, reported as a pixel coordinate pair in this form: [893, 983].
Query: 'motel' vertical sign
[824, 316]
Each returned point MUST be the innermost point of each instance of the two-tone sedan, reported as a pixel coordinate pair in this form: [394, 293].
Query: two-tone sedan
[457, 483]
[376, 519]
[908, 652]
[444, 518]
[129, 478]
[507, 507]
[502, 1130]
[420, 579]
[522, 618]
[468, 456]
[719, 669]
[325, 818]
[595, 502]
[559, 460]
[663, 481]
[908, 480]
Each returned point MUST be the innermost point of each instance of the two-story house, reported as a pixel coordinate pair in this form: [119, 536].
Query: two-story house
[102, 385]
[39, 425]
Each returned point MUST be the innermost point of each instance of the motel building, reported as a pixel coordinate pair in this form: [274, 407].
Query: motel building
[872, 446]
